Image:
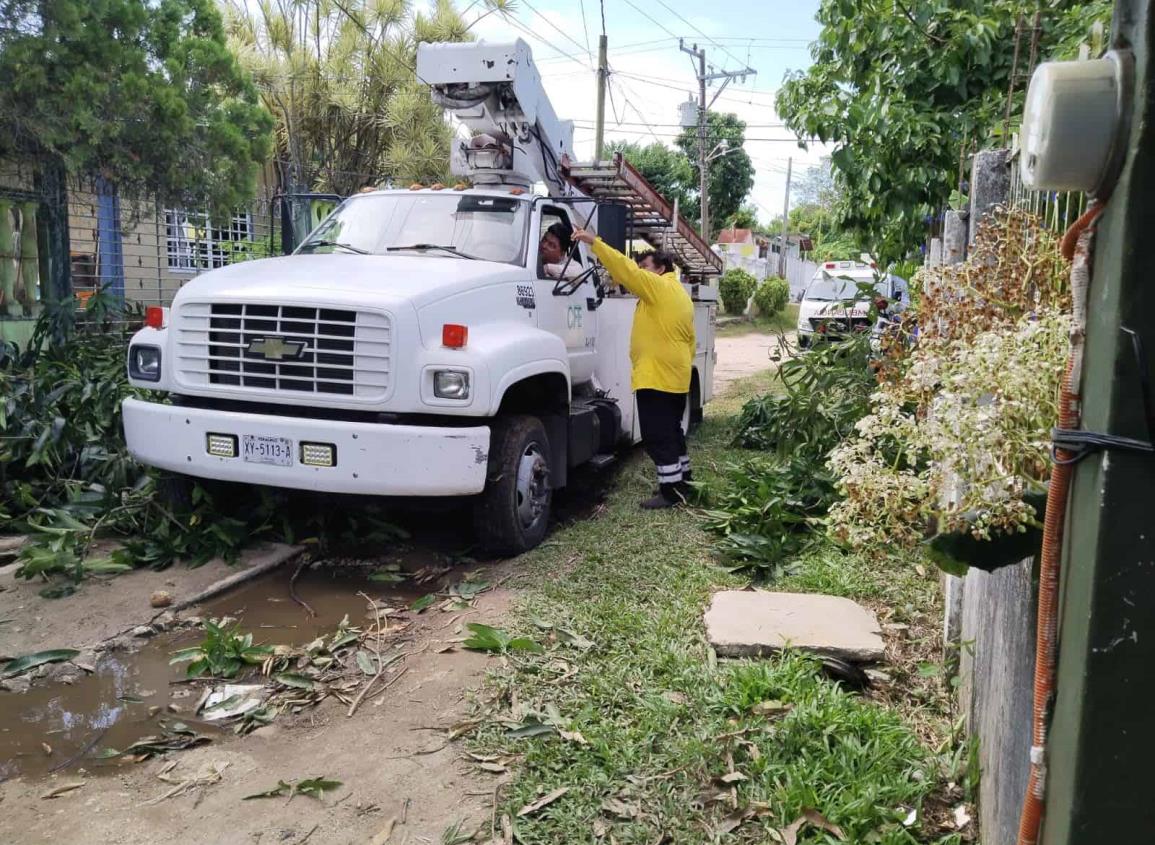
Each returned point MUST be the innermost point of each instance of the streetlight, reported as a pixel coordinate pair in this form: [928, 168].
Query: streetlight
[723, 147]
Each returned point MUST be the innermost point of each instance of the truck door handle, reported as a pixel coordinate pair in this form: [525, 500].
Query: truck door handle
[593, 304]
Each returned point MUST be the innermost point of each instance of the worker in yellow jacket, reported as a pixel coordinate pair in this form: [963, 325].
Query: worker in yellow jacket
[662, 355]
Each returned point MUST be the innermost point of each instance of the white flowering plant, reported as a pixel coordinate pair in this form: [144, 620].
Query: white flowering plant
[958, 433]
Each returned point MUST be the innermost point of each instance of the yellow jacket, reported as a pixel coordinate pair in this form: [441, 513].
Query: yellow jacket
[662, 340]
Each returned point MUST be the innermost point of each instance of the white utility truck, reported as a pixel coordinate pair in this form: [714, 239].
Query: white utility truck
[412, 345]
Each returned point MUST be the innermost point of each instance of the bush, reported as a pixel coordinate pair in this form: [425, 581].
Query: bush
[771, 296]
[735, 290]
[827, 391]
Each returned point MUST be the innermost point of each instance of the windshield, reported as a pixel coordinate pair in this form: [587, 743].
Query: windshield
[831, 287]
[449, 225]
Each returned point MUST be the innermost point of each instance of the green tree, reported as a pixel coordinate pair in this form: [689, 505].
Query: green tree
[903, 88]
[745, 217]
[668, 170]
[816, 186]
[143, 92]
[731, 175]
[338, 76]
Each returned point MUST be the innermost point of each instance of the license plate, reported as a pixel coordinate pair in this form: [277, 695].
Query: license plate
[267, 450]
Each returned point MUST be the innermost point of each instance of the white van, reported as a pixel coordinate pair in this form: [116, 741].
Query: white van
[833, 305]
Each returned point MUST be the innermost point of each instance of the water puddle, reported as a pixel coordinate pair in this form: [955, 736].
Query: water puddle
[131, 695]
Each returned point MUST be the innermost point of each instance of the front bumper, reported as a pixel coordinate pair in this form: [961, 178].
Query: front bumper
[372, 459]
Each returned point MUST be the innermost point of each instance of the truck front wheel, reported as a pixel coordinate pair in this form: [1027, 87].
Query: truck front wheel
[512, 513]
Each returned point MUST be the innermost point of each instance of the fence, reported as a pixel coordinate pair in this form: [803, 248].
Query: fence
[144, 251]
[1057, 210]
[64, 236]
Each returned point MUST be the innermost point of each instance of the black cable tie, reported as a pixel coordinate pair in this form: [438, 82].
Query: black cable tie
[1081, 443]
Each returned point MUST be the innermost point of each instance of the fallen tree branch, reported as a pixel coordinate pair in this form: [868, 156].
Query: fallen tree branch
[292, 587]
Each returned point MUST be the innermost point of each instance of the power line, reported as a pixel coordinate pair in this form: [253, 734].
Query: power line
[685, 89]
[679, 126]
[704, 35]
[650, 18]
[586, 30]
[525, 30]
[794, 140]
[556, 28]
[642, 76]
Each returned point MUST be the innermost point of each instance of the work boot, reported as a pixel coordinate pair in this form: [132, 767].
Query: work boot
[667, 497]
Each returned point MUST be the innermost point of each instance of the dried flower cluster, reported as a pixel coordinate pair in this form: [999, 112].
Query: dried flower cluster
[959, 428]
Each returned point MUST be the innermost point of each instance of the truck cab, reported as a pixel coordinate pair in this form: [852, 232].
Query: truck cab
[836, 301]
[411, 346]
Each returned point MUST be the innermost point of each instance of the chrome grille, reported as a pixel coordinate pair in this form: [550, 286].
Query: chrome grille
[296, 348]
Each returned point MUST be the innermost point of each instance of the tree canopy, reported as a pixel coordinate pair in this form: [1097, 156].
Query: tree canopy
[339, 77]
[145, 93]
[674, 172]
[666, 169]
[905, 89]
[731, 175]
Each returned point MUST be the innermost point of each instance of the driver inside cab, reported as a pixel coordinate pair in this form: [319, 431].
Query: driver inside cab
[555, 247]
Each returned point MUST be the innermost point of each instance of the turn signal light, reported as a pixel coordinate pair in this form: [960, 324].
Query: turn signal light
[454, 336]
[154, 317]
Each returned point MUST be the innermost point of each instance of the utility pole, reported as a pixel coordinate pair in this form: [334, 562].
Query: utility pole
[703, 109]
[785, 220]
[603, 75]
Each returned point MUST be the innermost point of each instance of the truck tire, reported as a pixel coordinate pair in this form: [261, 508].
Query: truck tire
[511, 515]
[175, 491]
[692, 416]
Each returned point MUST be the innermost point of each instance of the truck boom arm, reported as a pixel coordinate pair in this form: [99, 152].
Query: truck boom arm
[496, 92]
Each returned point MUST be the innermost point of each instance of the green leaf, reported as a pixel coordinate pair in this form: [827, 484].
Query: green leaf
[525, 644]
[365, 663]
[292, 679]
[317, 787]
[387, 577]
[22, 664]
[486, 638]
[186, 654]
[530, 728]
[423, 602]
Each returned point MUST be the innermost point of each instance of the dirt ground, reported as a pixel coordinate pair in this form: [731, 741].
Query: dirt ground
[393, 757]
[399, 771]
[743, 355]
[107, 607]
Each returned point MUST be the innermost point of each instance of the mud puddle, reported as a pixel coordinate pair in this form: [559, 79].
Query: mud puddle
[57, 726]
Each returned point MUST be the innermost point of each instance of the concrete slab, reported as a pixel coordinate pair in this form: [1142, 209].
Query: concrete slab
[754, 623]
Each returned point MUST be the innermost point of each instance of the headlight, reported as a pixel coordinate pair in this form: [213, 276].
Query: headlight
[451, 384]
[144, 363]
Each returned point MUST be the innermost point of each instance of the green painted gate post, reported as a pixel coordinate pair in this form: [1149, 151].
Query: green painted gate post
[1102, 734]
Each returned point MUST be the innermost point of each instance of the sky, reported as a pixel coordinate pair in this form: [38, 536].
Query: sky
[649, 76]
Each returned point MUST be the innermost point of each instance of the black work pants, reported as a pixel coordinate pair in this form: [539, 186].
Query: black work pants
[660, 419]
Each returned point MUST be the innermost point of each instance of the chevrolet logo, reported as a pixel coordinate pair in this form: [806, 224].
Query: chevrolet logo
[276, 348]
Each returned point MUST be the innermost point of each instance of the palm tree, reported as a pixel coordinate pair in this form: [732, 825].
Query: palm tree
[338, 76]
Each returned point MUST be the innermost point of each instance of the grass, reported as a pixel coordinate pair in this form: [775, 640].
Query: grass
[659, 742]
[781, 323]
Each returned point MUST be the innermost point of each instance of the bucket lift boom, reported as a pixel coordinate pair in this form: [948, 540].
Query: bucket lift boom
[495, 90]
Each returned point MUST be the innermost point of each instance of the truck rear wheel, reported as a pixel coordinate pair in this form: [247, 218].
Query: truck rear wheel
[512, 514]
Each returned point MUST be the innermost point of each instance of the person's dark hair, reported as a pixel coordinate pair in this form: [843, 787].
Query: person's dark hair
[661, 258]
[564, 235]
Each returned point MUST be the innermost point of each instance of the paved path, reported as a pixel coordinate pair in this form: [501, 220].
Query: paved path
[742, 356]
